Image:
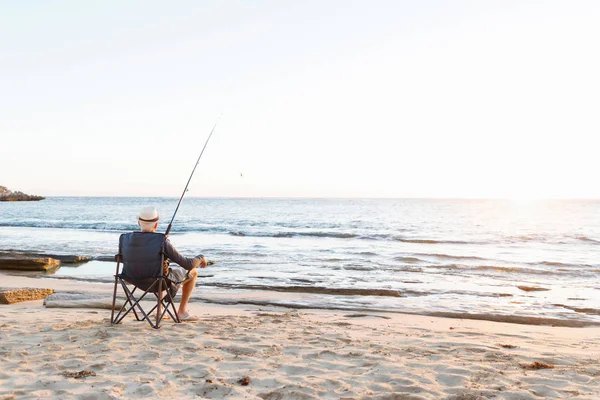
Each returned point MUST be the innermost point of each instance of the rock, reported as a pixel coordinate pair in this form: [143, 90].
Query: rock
[8, 195]
[12, 295]
[68, 259]
[82, 300]
[104, 258]
[532, 289]
[63, 258]
[28, 263]
[245, 381]
[536, 365]
[79, 374]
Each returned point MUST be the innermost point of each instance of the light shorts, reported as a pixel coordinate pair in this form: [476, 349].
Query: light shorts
[178, 274]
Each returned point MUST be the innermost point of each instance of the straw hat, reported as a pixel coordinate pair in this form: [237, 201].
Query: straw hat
[148, 214]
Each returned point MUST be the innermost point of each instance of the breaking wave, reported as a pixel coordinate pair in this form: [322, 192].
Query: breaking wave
[240, 229]
[449, 256]
[513, 270]
[586, 239]
[407, 259]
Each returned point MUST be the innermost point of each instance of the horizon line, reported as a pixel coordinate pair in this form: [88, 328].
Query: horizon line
[523, 199]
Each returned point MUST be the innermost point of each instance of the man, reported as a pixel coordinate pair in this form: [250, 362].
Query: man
[136, 243]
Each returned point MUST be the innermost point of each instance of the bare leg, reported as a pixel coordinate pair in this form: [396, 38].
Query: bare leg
[186, 291]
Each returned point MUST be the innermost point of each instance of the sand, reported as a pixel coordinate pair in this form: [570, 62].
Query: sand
[246, 352]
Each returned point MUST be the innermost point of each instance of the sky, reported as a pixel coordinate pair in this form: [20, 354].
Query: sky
[329, 98]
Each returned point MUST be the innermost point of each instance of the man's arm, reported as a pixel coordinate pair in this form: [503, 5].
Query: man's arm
[187, 263]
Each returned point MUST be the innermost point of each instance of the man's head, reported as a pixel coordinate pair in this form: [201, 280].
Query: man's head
[148, 219]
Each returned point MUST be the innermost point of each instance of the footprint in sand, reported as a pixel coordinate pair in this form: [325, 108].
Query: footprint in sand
[148, 355]
[451, 380]
[239, 350]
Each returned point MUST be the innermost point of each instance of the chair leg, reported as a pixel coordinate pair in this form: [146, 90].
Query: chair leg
[129, 294]
[159, 303]
[112, 310]
[137, 317]
[175, 317]
[164, 305]
[124, 310]
[117, 319]
[166, 302]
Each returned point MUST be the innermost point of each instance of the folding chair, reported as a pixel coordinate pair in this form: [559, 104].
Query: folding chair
[144, 269]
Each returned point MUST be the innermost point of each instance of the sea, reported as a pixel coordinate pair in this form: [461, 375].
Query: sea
[526, 261]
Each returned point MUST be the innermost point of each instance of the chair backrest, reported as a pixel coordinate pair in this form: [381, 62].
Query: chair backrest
[142, 254]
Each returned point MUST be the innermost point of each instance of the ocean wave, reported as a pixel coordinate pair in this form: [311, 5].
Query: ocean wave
[318, 290]
[449, 256]
[367, 253]
[121, 226]
[104, 226]
[582, 310]
[515, 319]
[240, 229]
[338, 235]
[99, 226]
[540, 238]
[518, 270]
[279, 235]
[126, 227]
[551, 239]
[586, 239]
[226, 253]
[430, 241]
[329, 234]
[532, 237]
[358, 268]
[554, 264]
[563, 265]
[445, 266]
[407, 259]
[466, 269]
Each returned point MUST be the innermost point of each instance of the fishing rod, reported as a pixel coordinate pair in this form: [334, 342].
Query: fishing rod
[192, 174]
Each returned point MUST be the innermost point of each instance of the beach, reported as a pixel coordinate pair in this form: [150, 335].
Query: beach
[314, 299]
[252, 352]
[389, 201]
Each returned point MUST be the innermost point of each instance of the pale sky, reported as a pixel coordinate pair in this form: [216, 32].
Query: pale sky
[319, 98]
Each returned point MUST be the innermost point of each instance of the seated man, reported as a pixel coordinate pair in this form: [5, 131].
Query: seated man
[146, 241]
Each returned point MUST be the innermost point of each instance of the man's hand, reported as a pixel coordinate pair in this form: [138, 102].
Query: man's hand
[203, 262]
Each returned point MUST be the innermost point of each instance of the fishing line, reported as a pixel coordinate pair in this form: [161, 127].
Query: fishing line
[190, 178]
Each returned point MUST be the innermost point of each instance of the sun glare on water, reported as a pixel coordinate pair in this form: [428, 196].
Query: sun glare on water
[524, 201]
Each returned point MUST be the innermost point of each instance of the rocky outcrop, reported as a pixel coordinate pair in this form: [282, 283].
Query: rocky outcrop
[8, 195]
[68, 259]
[17, 255]
[28, 263]
[11, 295]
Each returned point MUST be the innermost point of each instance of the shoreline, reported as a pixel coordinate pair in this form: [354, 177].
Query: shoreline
[286, 353]
[285, 300]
